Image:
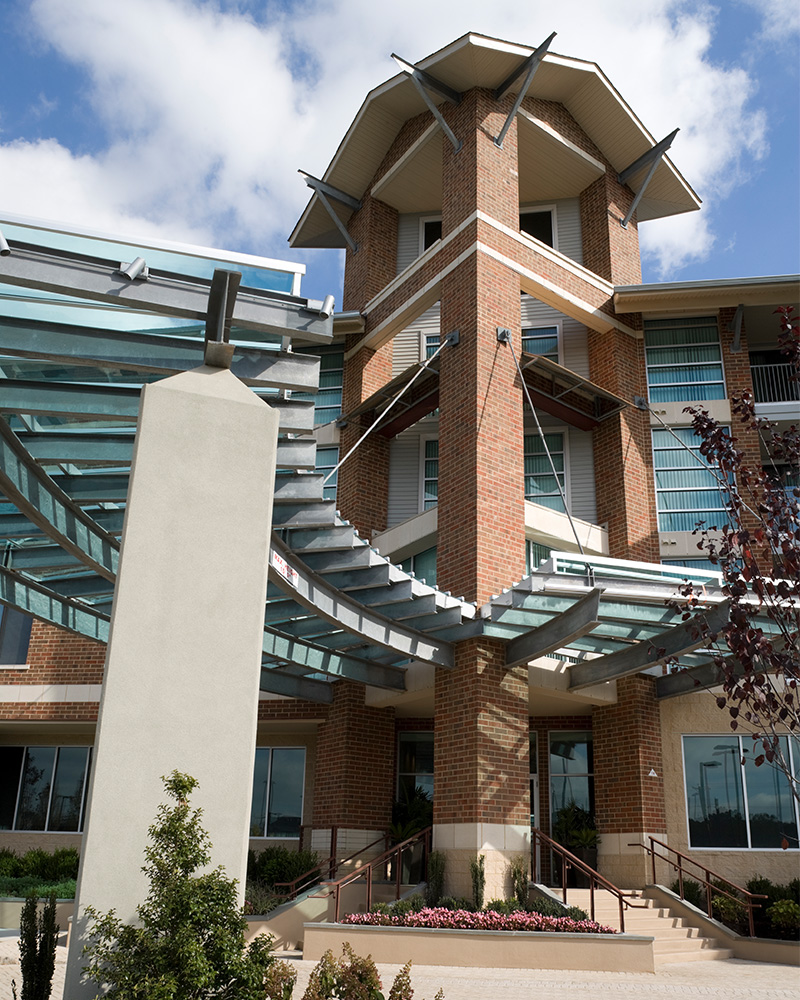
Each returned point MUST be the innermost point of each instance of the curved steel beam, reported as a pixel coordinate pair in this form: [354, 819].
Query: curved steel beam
[560, 631]
[322, 599]
[683, 638]
[290, 649]
[36, 496]
[40, 602]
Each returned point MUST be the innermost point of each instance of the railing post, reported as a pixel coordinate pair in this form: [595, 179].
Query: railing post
[398, 866]
[336, 904]
[750, 920]
[708, 892]
[653, 858]
[369, 887]
[334, 848]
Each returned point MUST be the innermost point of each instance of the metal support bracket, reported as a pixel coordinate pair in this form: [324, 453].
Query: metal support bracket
[425, 83]
[641, 403]
[325, 191]
[452, 338]
[503, 335]
[137, 270]
[221, 299]
[529, 67]
[652, 157]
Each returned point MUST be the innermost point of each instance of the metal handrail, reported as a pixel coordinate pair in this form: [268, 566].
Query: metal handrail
[569, 860]
[395, 852]
[705, 879]
[305, 881]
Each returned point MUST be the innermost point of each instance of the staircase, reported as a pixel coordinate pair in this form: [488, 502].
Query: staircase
[674, 939]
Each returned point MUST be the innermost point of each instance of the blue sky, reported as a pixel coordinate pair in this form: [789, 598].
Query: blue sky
[188, 119]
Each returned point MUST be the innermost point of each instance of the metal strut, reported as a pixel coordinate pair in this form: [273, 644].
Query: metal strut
[504, 336]
[451, 338]
[323, 190]
[653, 157]
[424, 83]
[529, 67]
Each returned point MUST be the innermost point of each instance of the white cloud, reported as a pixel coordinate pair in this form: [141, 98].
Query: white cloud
[206, 113]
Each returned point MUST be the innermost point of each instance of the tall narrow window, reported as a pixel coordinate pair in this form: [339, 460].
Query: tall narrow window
[430, 232]
[430, 473]
[571, 780]
[414, 765]
[15, 633]
[328, 401]
[684, 360]
[542, 341]
[276, 808]
[686, 492]
[540, 483]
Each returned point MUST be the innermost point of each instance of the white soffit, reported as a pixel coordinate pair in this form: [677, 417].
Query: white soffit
[414, 183]
[479, 61]
[551, 166]
[771, 290]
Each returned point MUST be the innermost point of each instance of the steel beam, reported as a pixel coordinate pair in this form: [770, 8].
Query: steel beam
[683, 638]
[528, 67]
[290, 649]
[36, 496]
[559, 632]
[169, 295]
[323, 599]
[275, 681]
[424, 83]
[33, 599]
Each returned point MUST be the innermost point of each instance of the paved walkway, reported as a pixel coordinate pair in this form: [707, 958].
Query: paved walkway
[723, 980]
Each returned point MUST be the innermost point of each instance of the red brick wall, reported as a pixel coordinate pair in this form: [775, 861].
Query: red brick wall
[354, 780]
[627, 745]
[623, 453]
[59, 657]
[481, 738]
[49, 711]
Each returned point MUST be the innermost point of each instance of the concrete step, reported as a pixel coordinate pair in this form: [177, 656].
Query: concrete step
[701, 955]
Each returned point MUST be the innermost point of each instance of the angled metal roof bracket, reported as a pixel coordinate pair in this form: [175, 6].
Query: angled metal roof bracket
[5, 249]
[736, 327]
[653, 157]
[324, 191]
[424, 83]
[137, 269]
[221, 299]
[529, 67]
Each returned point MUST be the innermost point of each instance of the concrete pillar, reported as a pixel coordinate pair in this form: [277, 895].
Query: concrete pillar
[183, 662]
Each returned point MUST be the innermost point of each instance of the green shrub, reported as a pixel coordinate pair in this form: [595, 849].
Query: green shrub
[435, 887]
[279, 864]
[784, 915]
[10, 864]
[189, 938]
[24, 885]
[518, 870]
[353, 978]
[38, 936]
[576, 913]
[258, 899]
[546, 907]
[504, 906]
[477, 870]
[693, 892]
[451, 903]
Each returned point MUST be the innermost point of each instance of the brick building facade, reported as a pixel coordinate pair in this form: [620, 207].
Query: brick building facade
[474, 237]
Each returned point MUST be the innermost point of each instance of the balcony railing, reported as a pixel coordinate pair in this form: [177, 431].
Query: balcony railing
[774, 384]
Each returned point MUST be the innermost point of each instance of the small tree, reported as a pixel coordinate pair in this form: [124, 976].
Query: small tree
[38, 936]
[757, 653]
[477, 870]
[190, 940]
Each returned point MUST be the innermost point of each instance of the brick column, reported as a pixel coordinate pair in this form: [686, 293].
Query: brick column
[354, 776]
[481, 753]
[609, 250]
[629, 800]
[481, 710]
[623, 451]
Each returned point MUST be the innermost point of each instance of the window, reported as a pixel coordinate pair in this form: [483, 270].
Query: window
[534, 555]
[731, 803]
[430, 343]
[571, 777]
[327, 458]
[540, 483]
[44, 788]
[15, 633]
[684, 361]
[538, 223]
[422, 565]
[542, 341]
[277, 804]
[328, 401]
[430, 230]
[414, 765]
[685, 491]
[430, 472]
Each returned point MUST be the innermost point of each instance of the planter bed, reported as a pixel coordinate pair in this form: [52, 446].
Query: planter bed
[485, 949]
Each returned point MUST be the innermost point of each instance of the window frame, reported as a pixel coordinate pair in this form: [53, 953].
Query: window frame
[268, 792]
[659, 491]
[57, 747]
[399, 774]
[423, 219]
[552, 208]
[698, 320]
[563, 430]
[795, 764]
[424, 336]
[556, 325]
[423, 440]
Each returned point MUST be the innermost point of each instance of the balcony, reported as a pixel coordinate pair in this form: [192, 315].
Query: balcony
[776, 391]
